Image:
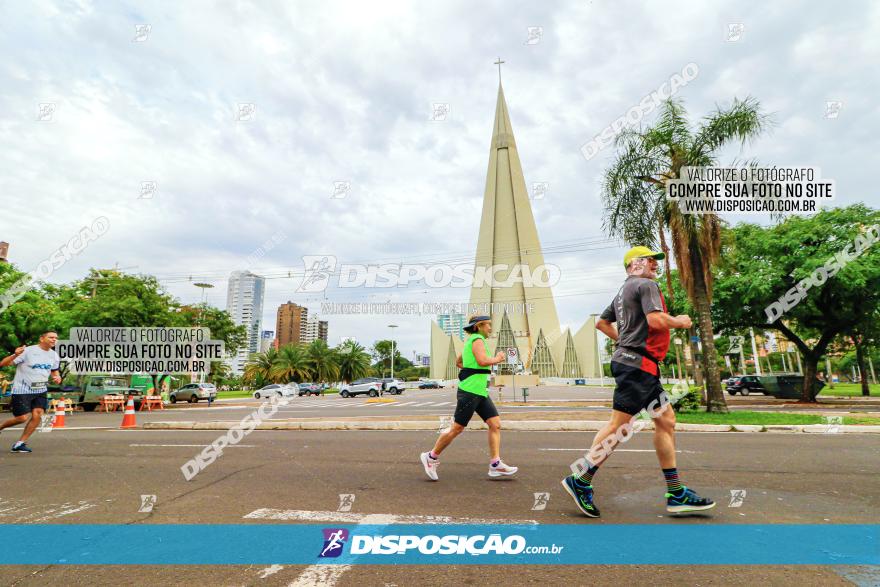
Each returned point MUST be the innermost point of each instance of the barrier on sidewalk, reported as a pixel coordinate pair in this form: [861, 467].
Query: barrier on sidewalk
[149, 402]
[110, 403]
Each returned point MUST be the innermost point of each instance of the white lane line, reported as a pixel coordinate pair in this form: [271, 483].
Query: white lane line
[83, 428]
[64, 509]
[320, 576]
[358, 518]
[405, 404]
[328, 575]
[616, 450]
[198, 445]
[270, 571]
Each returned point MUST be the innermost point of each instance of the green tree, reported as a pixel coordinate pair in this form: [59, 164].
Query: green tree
[257, 369]
[354, 361]
[323, 361]
[24, 318]
[637, 209]
[292, 363]
[763, 265]
[381, 353]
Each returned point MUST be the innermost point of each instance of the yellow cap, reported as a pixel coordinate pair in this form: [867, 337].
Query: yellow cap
[636, 252]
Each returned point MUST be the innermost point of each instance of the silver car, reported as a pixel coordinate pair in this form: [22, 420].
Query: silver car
[193, 392]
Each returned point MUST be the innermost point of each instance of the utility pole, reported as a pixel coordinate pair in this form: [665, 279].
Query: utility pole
[755, 352]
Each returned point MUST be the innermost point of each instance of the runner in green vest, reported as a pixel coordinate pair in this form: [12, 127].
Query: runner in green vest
[473, 396]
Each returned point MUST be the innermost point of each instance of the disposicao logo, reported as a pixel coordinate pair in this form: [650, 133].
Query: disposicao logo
[334, 540]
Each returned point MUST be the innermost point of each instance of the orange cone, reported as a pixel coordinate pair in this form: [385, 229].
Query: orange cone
[58, 420]
[128, 420]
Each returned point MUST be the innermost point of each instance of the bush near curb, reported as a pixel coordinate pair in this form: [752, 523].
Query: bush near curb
[690, 402]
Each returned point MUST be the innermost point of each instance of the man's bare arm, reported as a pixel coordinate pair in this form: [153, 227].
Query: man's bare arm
[8, 360]
[607, 328]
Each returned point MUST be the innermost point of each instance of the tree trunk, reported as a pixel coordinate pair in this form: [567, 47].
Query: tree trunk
[665, 248]
[811, 362]
[714, 394]
[860, 360]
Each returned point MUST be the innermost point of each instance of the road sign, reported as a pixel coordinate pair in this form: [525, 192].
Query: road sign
[512, 356]
[736, 345]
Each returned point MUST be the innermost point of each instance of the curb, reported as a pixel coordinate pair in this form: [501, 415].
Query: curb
[524, 425]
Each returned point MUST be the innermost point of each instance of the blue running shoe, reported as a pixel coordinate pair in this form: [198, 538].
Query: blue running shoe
[582, 495]
[687, 501]
[21, 448]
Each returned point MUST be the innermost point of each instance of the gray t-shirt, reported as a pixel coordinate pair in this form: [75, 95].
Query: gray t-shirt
[32, 369]
[637, 298]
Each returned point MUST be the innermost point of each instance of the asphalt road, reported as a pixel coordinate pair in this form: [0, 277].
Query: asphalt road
[431, 403]
[98, 476]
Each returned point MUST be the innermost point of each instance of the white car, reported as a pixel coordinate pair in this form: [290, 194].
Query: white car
[371, 386]
[278, 389]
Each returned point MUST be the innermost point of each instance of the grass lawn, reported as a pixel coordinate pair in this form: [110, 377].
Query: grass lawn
[849, 390]
[764, 418]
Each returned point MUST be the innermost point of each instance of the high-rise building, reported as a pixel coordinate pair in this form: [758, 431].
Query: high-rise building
[452, 324]
[509, 237]
[267, 338]
[290, 323]
[244, 302]
[314, 329]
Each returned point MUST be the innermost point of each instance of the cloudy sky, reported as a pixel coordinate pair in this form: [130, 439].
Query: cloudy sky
[344, 92]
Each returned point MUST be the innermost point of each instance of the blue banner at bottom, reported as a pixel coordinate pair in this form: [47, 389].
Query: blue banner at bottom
[439, 544]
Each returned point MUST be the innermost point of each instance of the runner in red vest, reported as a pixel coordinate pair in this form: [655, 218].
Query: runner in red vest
[642, 337]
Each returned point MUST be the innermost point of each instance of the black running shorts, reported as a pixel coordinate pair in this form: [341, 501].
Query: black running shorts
[468, 403]
[25, 403]
[635, 390]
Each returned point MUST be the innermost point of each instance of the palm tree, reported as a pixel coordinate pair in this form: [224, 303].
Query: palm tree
[637, 210]
[291, 364]
[257, 369]
[323, 360]
[353, 360]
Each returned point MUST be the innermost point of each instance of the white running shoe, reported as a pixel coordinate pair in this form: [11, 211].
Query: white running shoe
[502, 470]
[430, 466]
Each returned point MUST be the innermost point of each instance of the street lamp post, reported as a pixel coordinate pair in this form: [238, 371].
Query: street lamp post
[204, 287]
[392, 327]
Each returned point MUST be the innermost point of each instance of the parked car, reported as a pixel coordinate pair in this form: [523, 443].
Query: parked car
[429, 385]
[392, 385]
[279, 389]
[193, 392]
[371, 386]
[745, 385]
[310, 389]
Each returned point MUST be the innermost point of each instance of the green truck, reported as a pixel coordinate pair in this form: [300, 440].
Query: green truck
[89, 394]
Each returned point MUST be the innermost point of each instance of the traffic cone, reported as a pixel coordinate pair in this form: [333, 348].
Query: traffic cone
[58, 420]
[128, 420]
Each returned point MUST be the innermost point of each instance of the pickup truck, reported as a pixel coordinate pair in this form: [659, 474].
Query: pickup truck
[89, 396]
[95, 387]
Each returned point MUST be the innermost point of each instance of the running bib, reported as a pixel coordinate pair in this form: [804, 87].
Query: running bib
[39, 386]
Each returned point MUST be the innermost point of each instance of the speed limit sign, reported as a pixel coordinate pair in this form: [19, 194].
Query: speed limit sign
[512, 356]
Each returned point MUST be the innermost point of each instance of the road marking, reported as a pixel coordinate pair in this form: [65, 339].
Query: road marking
[270, 571]
[616, 450]
[405, 404]
[198, 445]
[328, 575]
[358, 518]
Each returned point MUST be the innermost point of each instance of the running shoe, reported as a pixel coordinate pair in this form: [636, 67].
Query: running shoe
[430, 466]
[502, 470]
[582, 495]
[21, 448]
[687, 501]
